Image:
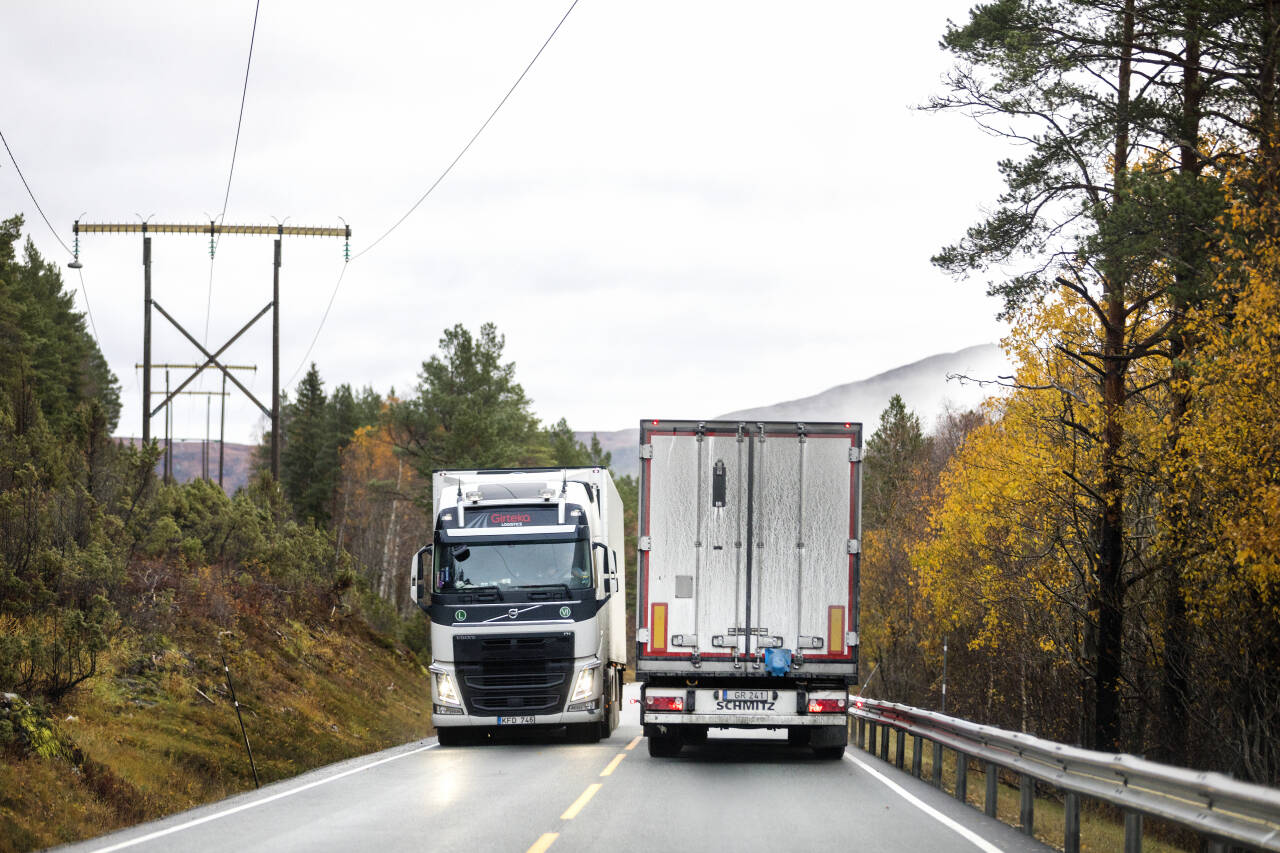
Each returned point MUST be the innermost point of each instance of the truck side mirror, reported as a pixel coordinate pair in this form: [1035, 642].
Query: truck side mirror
[607, 576]
[419, 569]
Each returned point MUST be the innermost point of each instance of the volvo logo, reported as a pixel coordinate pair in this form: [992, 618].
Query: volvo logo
[513, 613]
[564, 612]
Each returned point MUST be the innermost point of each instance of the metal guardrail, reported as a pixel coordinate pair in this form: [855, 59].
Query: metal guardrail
[1225, 811]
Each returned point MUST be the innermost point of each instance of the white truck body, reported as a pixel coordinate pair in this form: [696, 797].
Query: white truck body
[747, 613]
[523, 584]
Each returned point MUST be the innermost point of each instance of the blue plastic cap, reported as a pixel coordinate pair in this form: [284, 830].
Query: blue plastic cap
[777, 661]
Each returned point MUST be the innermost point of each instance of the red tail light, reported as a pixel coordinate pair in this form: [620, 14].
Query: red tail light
[664, 703]
[826, 706]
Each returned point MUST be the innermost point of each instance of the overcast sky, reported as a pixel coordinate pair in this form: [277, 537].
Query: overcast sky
[685, 208]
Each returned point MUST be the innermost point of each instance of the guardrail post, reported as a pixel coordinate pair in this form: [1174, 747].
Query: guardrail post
[915, 756]
[884, 743]
[1071, 827]
[1216, 846]
[993, 794]
[1027, 809]
[871, 736]
[962, 777]
[1132, 832]
[937, 764]
[901, 748]
[859, 732]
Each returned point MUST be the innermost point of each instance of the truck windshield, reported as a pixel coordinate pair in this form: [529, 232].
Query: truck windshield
[511, 565]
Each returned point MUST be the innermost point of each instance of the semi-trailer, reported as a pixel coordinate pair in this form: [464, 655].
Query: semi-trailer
[523, 583]
[747, 605]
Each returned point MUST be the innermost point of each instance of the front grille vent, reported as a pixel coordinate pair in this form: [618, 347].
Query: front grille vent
[514, 674]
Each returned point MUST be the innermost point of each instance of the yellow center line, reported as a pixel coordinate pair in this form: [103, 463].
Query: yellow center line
[634, 743]
[613, 765]
[578, 804]
[541, 845]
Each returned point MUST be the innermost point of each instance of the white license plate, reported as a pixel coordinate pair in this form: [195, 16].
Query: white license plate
[746, 695]
[515, 721]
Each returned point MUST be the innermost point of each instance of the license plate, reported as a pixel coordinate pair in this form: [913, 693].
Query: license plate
[746, 695]
[515, 721]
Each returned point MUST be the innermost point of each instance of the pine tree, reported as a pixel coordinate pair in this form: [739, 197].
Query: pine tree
[468, 411]
[306, 479]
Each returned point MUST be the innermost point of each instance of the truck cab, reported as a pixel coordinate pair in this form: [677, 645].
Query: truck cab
[523, 585]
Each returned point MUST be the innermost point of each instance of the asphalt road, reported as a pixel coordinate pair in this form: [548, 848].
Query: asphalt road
[732, 794]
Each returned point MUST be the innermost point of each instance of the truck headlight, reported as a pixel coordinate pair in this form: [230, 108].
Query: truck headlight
[588, 683]
[446, 690]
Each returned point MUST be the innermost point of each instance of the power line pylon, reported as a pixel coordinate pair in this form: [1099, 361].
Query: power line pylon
[211, 359]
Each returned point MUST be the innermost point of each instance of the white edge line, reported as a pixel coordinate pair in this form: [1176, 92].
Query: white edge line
[968, 834]
[255, 803]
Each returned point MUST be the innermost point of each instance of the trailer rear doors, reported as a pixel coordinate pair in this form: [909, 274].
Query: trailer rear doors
[748, 541]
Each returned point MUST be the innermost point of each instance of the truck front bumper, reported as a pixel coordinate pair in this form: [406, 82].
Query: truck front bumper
[445, 719]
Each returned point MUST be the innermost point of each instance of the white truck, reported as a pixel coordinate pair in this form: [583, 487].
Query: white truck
[523, 584]
[747, 606]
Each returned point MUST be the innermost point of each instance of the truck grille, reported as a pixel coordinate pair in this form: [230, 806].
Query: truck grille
[521, 674]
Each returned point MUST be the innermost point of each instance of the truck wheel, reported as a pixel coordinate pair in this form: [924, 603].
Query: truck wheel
[584, 732]
[664, 746]
[452, 736]
[613, 706]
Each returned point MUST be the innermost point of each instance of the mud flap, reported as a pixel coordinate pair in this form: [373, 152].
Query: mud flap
[829, 736]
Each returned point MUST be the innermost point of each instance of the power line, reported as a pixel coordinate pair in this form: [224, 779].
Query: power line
[235, 149]
[431, 188]
[316, 336]
[474, 136]
[14, 160]
[83, 290]
[85, 293]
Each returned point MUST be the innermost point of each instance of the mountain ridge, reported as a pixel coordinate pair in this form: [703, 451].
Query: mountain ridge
[926, 386]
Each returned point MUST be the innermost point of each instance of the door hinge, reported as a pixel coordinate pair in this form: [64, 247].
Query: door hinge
[855, 454]
[646, 451]
[855, 547]
[646, 543]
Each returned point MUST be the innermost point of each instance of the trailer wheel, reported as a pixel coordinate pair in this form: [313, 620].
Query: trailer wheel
[829, 753]
[665, 746]
[695, 734]
[799, 735]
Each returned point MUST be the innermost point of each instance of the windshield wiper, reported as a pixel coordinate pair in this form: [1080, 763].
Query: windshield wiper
[563, 587]
[470, 589]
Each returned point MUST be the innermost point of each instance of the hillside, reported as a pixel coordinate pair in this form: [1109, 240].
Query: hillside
[189, 462]
[156, 733]
[924, 385]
